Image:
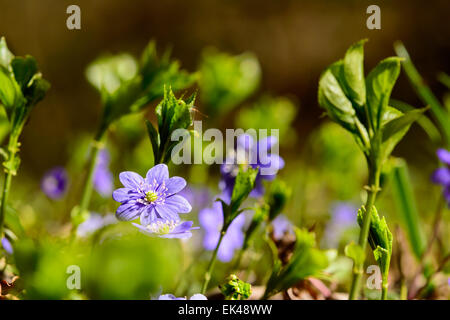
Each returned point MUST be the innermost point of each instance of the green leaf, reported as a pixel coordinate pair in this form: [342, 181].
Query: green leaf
[424, 92]
[401, 123]
[245, 182]
[277, 197]
[306, 261]
[24, 70]
[37, 90]
[427, 125]
[353, 69]
[380, 238]
[332, 98]
[9, 90]
[394, 126]
[108, 73]
[154, 139]
[406, 206]
[227, 80]
[5, 55]
[379, 85]
[236, 289]
[355, 252]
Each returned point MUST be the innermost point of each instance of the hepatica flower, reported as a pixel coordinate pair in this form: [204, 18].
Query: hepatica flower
[7, 246]
[103, 178]
[442, 175]
[343, 217]
[168, 228]
[153, 199]
[254, 154]
[211, 220]
[93, 223]
[54, 183]
[197, 296]
[281, 225]
[198, 197]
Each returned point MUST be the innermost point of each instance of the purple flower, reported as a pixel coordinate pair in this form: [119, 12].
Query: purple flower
[281, 225]
[198, 197]
[254, 154]
[197, 296]
[7, 245]
[442, 175]
[343, 217]
[54, 183]
[168, 228]
[211, 219]
[93, 223]
[103, 178]
[152, 198]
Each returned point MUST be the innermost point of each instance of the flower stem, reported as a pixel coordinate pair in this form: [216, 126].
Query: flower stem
[5, 193]
[358, 268]
[10, 165]
[211, 263]
[88, 184]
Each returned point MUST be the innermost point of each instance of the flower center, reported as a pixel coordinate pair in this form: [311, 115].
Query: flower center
[162, 227]
[151, 196]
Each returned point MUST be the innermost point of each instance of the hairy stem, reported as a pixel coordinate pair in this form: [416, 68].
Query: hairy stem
[5, 193]
[374, 185]
[10, 170]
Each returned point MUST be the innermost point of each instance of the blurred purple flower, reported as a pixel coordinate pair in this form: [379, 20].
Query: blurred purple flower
[103, 178]
[343, 217]
[152, 198]
[197, 296]
[168, 229]
[256, 154]
[93, 223]
[211, 219]
[54, 183]
[197, 197]
[442, 175]
[281, 225]
[7, 246]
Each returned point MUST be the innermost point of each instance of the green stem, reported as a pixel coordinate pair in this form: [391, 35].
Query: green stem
[211, 264]
[384, 287]
[374, 185]
[10, 170]
[5, 193]
[88, 185]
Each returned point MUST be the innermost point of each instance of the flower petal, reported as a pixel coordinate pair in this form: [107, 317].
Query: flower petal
[159, 173]
[166, 213]
[131, 180]
[441, 176]
[177, 204]
[125, 194]
[444, 156]
[245, 141]
[267, 143]
[175, 184]
[183, 227]
[129, 211]
[148, 216]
